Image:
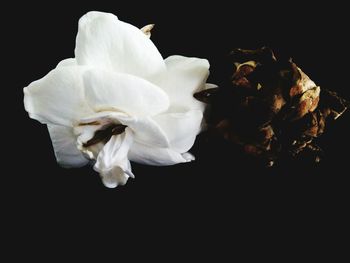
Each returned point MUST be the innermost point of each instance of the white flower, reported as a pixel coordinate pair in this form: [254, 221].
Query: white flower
[118, 100]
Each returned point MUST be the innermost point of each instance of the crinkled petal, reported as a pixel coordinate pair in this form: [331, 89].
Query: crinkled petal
[183, 78]
[64, 145]
[145, 154]
[112, 162]
[106, 90]
[181, 129]
[104, 41]
[58, 98]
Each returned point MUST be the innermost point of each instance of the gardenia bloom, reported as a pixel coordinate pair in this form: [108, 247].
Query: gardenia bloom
[118, 100]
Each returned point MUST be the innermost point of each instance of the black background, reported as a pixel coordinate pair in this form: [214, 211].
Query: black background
[216, 195]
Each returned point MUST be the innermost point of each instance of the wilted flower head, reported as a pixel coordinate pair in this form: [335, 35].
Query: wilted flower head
[272, 109]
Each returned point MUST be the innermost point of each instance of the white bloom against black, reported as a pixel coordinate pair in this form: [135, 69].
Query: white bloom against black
[118, 100]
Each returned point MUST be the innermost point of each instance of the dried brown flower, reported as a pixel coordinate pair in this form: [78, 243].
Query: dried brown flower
[272, 109]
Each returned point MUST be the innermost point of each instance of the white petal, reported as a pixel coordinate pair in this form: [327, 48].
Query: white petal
[58, 98]
[104, 41]
[146, 130]
[67, 62]
[188, 156]
[114, 177]
[112, 162]
[106, 90]
[183, 78]
[181, 128]
[144, 154]
[64, 144]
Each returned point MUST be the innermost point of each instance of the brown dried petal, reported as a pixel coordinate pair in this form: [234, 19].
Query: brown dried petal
[243, 70]
[262, 55]
[307, 103]
[266, 134]
[277, 102]
[313, 126]
[332, 105]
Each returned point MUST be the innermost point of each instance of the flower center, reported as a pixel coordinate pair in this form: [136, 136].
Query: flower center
[104, 134]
